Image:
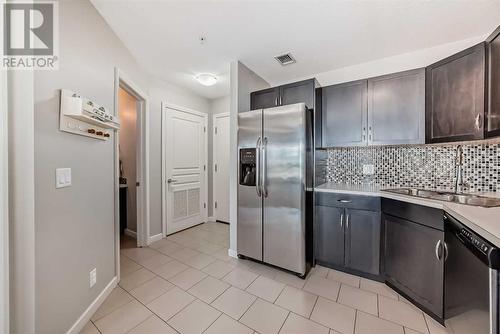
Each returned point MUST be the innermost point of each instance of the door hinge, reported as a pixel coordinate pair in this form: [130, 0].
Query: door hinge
[216, 204]
[215, 130]
[204, 205]
[215, 167]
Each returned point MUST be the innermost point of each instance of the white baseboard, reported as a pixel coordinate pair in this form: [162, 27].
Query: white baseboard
[85, 317]
[156, 237]
[130, 233]
[211, 219]
[232, 253]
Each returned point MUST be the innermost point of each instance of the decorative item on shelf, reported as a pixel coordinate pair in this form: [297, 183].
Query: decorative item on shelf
[79, 115]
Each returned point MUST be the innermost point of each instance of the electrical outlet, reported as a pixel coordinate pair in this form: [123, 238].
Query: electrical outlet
[368, 169]
[93, 277]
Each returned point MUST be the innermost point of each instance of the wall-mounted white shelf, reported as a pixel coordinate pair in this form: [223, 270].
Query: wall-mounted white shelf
[83, 117]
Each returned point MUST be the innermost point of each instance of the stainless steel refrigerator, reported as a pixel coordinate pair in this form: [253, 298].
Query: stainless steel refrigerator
[274, 172]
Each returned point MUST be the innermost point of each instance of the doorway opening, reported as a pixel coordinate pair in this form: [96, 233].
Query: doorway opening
[128, 110]
[132, 104]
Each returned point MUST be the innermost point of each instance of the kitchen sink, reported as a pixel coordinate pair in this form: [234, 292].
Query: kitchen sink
[467, 199]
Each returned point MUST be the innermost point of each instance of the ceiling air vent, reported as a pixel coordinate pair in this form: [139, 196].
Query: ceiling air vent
[285, 59]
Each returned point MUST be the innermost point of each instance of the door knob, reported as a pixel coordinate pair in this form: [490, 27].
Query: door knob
[171, 181]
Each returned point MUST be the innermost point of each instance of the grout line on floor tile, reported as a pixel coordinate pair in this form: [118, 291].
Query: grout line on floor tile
[93, 323]
[152, 315]
[279, 295]
[426, 323]
[249, 307]
[314, 306]
[355, 318]
[220, 315]
[283, 324]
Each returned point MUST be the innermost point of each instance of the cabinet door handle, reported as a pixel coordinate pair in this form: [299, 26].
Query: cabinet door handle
[276, 101]
[341, 220]
[347, 221]
[437, 250]
[478, 121]
[344, 201]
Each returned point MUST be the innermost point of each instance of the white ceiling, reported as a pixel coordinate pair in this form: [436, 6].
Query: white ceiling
[322, 35]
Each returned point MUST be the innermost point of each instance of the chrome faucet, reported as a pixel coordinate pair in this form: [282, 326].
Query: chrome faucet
[460, 185]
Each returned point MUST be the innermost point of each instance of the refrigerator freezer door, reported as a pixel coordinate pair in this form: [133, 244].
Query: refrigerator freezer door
[283, 173]
[249, 240]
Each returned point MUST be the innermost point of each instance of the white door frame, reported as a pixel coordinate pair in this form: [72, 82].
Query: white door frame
[4, 206]
[164, 107]
[124, 81]
[214, 154]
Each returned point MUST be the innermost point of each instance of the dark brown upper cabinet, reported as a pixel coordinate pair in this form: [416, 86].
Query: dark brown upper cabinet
[344, 114]
[493, 114]
[266, 98]
[305, 91]
[456, 97]
[385, 110]
[297, 92]
[396, 108]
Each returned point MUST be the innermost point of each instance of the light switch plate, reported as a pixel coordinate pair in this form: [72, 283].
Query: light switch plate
[368, 169]
[63, 177]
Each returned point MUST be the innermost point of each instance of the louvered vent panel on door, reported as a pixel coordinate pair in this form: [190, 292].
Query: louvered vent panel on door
[180, 204]
[193, 201]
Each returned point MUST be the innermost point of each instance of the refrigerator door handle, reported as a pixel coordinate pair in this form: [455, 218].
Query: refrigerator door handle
[264, 168]
[258, 180]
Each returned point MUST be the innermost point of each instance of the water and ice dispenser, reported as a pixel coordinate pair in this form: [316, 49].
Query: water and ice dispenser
[247, 166]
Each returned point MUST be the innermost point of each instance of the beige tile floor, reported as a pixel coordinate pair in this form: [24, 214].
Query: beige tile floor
[188, 284]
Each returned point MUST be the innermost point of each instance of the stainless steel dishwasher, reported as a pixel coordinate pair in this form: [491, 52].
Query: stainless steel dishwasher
[471, 280]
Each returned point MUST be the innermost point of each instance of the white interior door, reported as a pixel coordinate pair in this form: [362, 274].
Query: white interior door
[221, 167]
[185, 180]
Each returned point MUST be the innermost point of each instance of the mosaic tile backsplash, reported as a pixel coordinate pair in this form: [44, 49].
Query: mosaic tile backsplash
[431, 167]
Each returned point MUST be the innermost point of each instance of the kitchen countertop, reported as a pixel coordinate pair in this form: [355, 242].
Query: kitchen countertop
[484, 221]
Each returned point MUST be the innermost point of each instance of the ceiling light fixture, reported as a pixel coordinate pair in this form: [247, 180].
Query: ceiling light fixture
[206, 79]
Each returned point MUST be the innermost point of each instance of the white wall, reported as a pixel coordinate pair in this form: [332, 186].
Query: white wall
[21, 202]
[243, 81]
[74, 228]
[4, 205]
[217, 106]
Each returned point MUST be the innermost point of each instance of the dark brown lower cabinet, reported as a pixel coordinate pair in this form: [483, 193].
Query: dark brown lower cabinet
[362, 249]
[348, 239]
[414, 262]
[329, 236]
